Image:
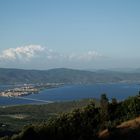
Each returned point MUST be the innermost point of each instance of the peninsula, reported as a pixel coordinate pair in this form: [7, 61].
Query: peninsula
[27, 89]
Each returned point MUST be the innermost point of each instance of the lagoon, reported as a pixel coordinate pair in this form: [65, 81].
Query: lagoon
[75, 92]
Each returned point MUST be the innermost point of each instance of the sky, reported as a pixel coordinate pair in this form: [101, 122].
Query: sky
[79, 34]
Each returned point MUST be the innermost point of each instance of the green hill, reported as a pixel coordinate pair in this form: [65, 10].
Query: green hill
[62, 75]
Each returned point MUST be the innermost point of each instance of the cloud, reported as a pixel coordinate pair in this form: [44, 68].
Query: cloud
[37, 56]
[24, 53]
[87, 56]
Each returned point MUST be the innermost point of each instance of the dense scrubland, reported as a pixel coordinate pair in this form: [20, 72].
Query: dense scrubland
[109, 120]
[14, 118]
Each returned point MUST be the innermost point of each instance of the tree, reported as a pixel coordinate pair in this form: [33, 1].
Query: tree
[104, 105]
[114, 101]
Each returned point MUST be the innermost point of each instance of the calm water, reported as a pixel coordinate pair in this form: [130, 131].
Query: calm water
[73, 92]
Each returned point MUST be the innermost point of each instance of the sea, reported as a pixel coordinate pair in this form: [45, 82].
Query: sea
[120, 91]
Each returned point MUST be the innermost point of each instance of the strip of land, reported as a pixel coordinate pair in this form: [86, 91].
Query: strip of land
[37, 100]
[28, 89]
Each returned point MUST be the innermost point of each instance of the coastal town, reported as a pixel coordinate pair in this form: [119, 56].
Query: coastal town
[27, 89]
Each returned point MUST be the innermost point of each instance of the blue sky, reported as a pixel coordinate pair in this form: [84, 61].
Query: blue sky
[42, 34]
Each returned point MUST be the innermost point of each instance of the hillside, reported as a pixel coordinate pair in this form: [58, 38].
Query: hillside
[62, 75]
[14, 118]
[128, 130]
[109, 121]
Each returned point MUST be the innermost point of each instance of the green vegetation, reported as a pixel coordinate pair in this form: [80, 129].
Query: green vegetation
[13, 118]
[62, 75]
[84, 123]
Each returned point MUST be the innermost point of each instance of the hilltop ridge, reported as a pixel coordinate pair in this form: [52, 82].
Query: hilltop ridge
[64, 75]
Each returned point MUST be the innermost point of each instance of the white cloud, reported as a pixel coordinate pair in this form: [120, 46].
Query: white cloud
[36, 56]
[87, 56]
[24, 53]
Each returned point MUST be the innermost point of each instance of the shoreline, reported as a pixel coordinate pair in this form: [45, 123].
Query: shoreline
[28, 89]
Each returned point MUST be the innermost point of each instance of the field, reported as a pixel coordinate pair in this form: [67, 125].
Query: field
[14, 118]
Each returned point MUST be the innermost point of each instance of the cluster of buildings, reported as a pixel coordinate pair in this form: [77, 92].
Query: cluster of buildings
[27, 89]
[20, 91]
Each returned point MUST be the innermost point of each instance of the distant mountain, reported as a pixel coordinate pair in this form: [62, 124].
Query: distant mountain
[124, 70]
[63, 75]
[137, 70]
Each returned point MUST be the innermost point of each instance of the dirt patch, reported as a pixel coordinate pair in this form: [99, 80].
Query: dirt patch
[16, 116]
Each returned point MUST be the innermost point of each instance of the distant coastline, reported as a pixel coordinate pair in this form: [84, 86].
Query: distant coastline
[67, 76]
[74, 92]
[27, 89]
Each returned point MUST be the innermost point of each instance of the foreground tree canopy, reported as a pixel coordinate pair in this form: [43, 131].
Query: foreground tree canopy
[84, 123]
